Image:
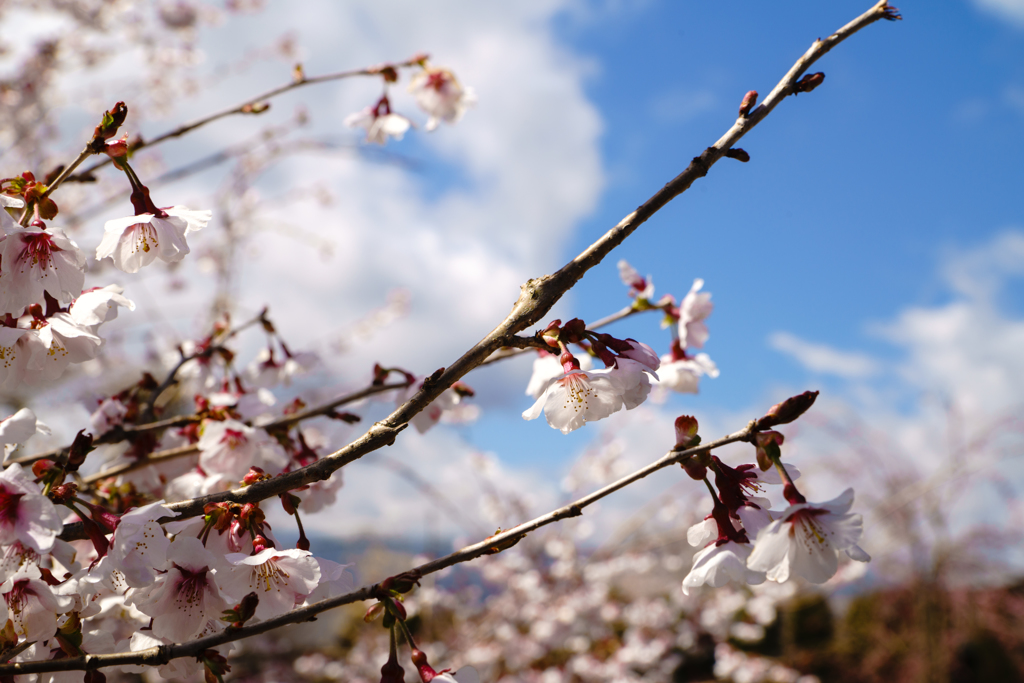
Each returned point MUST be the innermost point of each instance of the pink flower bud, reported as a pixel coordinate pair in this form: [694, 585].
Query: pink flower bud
[686, 432]
[748, 102]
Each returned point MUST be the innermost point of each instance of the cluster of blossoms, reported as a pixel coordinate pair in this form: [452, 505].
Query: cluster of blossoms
[436, 91]
[743, 540]
[570, 393]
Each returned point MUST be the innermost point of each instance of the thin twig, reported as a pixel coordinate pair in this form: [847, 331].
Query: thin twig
[489, 546]
[246, 107]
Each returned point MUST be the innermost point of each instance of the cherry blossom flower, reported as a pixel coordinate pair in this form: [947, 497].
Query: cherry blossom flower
[109, 414]
[280, 578]
[546, 369]
[643, 354]
[32, 605]
[6, 221]
[445, 405]
[440, 95]
[21, 426]
[139, 544]
[335, 579]
[684, 375]
[15, 353]
[37, 260]
[379, 122]
[136, 241]
[230, 448]
[717, 565]
[576, 398]
[59, 342]
[266, 371]
[725, 559]
[694, 309]
[466, 674]
[98, 306]
[639, 287]
[25, 514]
[632, 380]
[185, 597]
[806, 539]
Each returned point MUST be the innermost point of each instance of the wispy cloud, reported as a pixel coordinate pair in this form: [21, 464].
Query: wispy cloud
[823, 358]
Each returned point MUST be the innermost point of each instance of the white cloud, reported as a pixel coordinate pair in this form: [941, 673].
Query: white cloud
[822, 358]
[1008, 10]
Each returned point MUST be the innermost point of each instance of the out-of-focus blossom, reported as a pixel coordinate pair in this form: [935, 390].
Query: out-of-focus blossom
[21, 426]
[639, 287]
[693, 310]
[684, 375]
[441, 96]
[230, 448]
[379, 125]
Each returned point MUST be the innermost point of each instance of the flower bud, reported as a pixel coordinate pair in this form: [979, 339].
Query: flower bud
[788, 410]
[573, 331]
[255, 474]
[768, 452]
[738, 154]
[809, 82]
[695, 469]
[686, 432]
[748, 102]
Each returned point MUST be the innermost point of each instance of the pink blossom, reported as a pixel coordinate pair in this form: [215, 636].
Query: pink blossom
[25, 514]
[717, 565]
[639, 287]
[335, 579]
[35, 260]
[693, 310]
[15, 353]
[806, 540]
[32, 605]
[185, 597]
[576, 398]
[379, 125]
[546, 369]
[108, 415]
[59, 342]
[139, 544]
[136, 241]
[684, 375]
[98, 306]
[280, 578]
[21, 426]
[440, 95]
[230, 448]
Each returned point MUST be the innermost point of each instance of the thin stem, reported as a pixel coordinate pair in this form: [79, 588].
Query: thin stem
[248, 106]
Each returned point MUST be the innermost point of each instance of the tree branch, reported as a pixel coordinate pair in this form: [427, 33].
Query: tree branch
[250, 106]
[494, 544]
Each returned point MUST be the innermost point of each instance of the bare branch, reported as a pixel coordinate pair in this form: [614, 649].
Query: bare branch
[251, 106]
